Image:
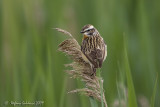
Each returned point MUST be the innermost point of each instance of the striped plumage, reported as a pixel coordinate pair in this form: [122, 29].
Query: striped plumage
[94, 50]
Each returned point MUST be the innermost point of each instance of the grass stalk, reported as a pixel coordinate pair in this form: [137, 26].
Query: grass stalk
[154, 92]
[101, 87]
[93, 102]
[103, 100]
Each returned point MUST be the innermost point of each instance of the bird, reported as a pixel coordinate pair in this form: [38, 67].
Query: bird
[93, 47]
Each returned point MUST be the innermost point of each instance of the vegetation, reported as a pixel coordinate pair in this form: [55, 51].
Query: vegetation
[31, 68]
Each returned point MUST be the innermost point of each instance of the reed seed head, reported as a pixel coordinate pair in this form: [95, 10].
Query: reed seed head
[80, 69]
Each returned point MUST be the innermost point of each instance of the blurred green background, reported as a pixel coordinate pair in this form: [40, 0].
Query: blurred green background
[31, 68]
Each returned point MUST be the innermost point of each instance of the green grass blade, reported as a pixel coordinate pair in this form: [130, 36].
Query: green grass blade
[154, 92]
[63, 93]
[132, 102]
[121, 88]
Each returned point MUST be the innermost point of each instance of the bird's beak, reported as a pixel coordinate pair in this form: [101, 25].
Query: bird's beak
[82, 32]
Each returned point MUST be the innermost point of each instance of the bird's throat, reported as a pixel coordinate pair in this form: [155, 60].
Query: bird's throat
[85, 36]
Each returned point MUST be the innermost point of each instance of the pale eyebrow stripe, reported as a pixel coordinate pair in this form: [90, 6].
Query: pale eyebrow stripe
[91, 27]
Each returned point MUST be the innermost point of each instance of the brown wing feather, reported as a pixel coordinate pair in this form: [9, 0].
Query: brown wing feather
[95, 57]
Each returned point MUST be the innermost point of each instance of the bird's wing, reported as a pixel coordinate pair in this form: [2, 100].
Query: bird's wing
[95, 56]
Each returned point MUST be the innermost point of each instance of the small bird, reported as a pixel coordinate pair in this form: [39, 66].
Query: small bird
[94, 49]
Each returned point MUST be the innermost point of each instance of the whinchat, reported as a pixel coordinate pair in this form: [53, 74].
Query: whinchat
[94, 49]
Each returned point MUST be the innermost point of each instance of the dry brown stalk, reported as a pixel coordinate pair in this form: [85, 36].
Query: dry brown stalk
[81, 69]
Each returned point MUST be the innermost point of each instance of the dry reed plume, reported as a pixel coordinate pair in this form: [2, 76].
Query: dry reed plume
[81, 69]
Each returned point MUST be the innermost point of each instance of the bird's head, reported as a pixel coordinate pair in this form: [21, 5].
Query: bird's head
[88, 30]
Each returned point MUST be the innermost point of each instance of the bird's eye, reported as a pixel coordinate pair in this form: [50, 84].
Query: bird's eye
[88, 30]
